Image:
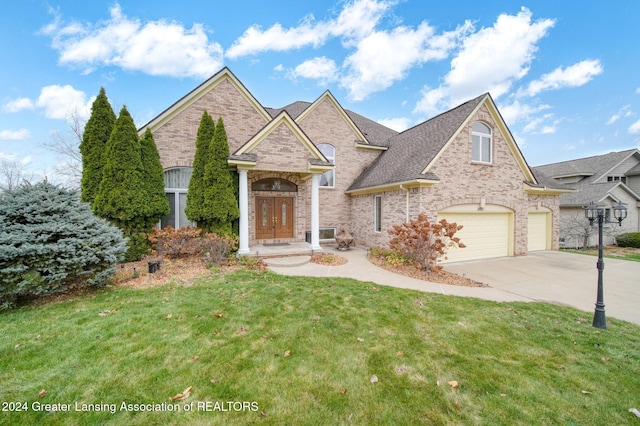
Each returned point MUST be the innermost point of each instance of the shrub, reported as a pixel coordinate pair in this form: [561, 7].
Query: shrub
[424, 242]
[50, 242]
[188, 241]
[630, 239]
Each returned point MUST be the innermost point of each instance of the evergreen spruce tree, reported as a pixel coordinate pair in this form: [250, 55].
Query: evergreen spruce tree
[50, 242]
[94, 141]
[121, 198]
[157, 204]
[220, 201]
[195, 197]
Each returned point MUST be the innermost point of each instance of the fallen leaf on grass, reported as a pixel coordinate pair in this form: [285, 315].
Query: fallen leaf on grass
[605, 358]
[212, 380]
[374, 379]
[453, 384]
[503, 394]
[399, 353]
[219, 315]
[360, 339]
[241, 330]
[584, 392]
[437, 382]
[182, 396]
[343, 391]
[169, 316]
[635, 411]
[42, 393]
[287, 352]
[195, 358]
[107, 312]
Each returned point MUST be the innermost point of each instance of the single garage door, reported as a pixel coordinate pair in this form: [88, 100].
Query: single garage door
[485, 235]
[538, 231]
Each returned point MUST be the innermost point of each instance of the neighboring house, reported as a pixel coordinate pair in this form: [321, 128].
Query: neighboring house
[604, 179]
[308, 169]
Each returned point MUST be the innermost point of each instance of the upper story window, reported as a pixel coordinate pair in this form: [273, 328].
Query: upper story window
[481, 146]
[327, 179]
[622, 179]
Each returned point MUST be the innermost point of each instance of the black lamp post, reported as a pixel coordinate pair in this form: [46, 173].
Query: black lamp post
[593, 212]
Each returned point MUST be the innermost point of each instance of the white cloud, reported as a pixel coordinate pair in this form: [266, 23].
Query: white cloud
[544, 125]
[357, 19]
[518, 111]
[14, 135]
[398, 124]
[625, 111]
[575, 75]
[17, 105]
[156, 48]
[57, 102]
[491, 59]
[371, 69]
[638, 90]
[321, 68]
[635, 128]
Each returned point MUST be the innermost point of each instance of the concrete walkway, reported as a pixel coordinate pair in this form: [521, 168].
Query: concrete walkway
[560, 278]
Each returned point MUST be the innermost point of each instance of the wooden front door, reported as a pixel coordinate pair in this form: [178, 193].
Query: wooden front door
[274, 218]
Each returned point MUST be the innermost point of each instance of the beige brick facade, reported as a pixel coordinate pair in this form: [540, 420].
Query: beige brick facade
[284, 154]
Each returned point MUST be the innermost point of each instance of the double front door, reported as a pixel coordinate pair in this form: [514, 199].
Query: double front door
[274, 217]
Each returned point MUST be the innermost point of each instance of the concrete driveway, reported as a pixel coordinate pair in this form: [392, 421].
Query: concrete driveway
[562, 278]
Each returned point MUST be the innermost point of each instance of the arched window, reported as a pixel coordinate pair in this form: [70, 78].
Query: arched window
[176, 183]
[481, 149]
[327, 179]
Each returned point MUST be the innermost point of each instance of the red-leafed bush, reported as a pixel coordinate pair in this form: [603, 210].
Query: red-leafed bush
[425, 242]
[188, 241]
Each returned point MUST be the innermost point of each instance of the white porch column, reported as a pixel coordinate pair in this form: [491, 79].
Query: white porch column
[315, 212]
[244, 212]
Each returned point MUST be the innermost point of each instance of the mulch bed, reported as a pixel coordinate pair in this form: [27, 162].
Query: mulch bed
[442, 276]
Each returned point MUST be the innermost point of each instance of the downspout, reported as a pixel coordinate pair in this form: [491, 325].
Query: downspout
[407, 206]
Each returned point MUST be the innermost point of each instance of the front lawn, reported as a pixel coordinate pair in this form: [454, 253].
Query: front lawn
[252, 347]
[614, 252]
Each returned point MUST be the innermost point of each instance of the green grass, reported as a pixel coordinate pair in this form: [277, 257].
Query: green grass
[635, 257]
[304, 350]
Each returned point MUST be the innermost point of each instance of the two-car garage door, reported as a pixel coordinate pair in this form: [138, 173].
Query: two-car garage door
[485, 234]
[489, 233]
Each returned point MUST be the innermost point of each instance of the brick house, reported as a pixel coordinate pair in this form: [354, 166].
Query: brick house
[308, 169]
[606, 180]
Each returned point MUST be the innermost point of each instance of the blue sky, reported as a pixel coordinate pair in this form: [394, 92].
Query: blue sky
[565, 74]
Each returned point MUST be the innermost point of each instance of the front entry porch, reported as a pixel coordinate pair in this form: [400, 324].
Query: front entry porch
[282, 249]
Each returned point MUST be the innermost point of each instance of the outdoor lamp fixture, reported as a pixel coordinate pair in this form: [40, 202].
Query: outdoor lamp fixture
[593, 212]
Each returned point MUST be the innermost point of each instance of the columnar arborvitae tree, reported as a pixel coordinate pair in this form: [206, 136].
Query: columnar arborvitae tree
[220, 201]
[121, 198]
[195, 197]
[94, 141]
[157, 204]
[51, 242]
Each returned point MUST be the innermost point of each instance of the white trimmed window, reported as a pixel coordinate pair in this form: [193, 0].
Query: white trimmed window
[481, 149]
[176, 183]
[377, 213]
[327, 180]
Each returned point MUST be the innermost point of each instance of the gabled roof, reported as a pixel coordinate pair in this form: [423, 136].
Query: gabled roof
[412, 153]
[245, 156]
[183, 103]
[594, 170]
[596, 166]
[373, 132]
